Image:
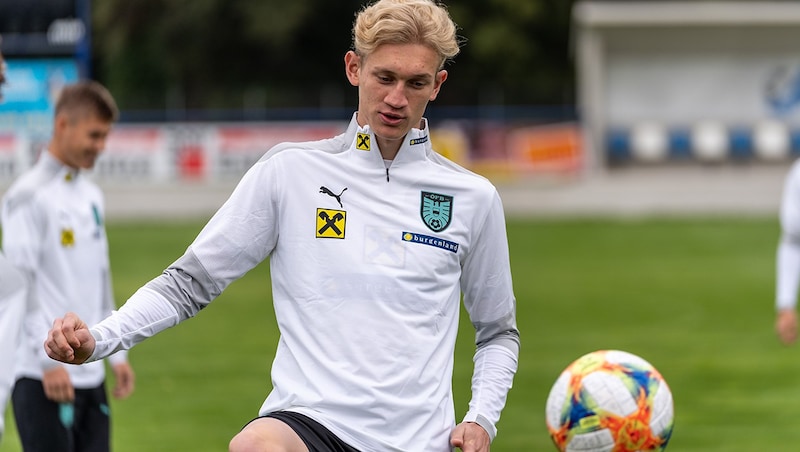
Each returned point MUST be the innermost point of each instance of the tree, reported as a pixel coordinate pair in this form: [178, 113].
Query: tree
[268, 53]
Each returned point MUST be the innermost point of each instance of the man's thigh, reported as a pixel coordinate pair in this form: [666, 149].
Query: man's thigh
[92, 429]
[43, 425]
[264, 432]
[314, 435]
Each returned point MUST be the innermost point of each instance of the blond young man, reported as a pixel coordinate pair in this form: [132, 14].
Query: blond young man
[53, 232]
[372, 239]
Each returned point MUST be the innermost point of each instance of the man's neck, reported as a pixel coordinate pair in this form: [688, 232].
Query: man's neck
[389, 148]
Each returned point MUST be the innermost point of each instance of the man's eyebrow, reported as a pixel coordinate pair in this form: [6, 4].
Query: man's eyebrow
[421, 75]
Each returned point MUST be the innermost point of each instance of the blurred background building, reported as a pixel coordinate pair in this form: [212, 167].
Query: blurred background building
[689, 81]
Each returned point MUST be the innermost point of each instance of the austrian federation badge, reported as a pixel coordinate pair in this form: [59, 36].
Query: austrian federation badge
[436, 210]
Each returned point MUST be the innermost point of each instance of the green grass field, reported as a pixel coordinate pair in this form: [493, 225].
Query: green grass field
[692, 296]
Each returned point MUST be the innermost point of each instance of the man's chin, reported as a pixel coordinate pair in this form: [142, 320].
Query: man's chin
[87, 165]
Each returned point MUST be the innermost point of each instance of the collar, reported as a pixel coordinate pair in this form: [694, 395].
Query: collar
[54, 166]
[416, 144]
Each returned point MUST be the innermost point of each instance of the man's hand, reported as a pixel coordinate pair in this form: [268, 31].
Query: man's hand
[123, 372]
[470, 437]
[57, 385]
[786, 326]
[69, 340]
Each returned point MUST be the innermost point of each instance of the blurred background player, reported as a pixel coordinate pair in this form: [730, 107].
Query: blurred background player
[788, 258]
[53, 231]
[369, 253]
[12, 307]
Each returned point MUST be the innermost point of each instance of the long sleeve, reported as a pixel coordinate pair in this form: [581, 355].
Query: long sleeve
[23, 235]
[231, 244]
[145, 314]
[788, 253]
[109, 308]
[490, 302]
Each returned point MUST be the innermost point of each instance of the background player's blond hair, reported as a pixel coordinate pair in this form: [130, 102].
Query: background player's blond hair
[87, 97]
[405, 22]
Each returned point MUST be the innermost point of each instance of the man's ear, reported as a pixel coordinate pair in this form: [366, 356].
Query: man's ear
[441, 76]
[352, 64]
[61, 121]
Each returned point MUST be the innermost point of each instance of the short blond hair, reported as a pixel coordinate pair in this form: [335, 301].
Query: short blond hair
[406, 22]
[87, 96]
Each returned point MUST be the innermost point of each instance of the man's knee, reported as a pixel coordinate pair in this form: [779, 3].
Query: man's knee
[246, 442]
[267, 435]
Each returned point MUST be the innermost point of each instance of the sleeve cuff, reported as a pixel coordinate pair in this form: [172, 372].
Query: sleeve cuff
[119, 357]
[483, 422]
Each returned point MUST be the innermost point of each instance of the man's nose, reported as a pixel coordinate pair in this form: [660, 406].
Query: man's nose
[397, 96]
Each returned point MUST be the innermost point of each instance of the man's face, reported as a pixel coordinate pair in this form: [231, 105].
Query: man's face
[80, 139]
[395, 84]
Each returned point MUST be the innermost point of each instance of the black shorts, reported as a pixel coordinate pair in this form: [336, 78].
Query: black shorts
[47, 426]
[316, 437]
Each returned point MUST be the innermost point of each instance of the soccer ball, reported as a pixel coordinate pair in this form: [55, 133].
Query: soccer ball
[610, 401]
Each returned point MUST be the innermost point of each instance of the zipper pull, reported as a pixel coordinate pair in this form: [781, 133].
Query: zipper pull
[387, 174]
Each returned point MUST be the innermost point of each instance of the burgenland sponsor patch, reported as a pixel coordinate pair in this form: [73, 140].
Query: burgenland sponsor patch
[416, 141]
[430, 241]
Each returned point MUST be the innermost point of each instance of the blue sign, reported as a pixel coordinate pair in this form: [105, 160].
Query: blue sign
[31, 89]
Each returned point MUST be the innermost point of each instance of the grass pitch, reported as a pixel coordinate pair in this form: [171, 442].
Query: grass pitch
[692, 296]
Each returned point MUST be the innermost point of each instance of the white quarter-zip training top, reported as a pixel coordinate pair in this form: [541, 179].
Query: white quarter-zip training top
[368, 266]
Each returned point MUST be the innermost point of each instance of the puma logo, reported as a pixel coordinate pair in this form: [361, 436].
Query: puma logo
[338, 197]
